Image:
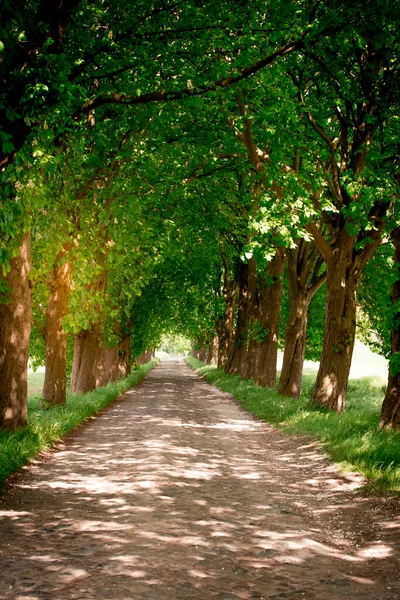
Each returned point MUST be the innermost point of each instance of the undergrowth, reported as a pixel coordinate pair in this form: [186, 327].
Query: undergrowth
[351, 439]
[45, 427]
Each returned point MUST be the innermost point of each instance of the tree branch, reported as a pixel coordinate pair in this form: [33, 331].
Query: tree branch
[163, 96]
[322, 245]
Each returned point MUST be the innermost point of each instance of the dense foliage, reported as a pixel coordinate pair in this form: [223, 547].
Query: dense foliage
[161, 162]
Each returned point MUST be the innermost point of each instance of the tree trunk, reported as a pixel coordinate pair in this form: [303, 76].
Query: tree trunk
[86, 354]
[295, 346]
[239, 347]
[124, 355]
[390, 412]
[226, 333]
[304, 280]
[270, 309]
[145, 357]
[212, 355]
[203, 352]
[55, 381]
[249, 366]
[15, 328]
[195, 348]
[339, 329]
[148, 355]
[107, 366]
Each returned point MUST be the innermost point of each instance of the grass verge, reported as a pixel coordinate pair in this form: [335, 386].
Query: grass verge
[351, 440]
[45, 427]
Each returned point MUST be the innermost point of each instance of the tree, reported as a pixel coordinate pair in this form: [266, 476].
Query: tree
[390, 413]
[304, 280]
[353, 119]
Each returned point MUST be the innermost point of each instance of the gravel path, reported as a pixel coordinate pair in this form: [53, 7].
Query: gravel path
[176, 493]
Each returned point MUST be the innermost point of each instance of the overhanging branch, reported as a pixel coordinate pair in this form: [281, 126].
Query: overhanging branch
[164, 96]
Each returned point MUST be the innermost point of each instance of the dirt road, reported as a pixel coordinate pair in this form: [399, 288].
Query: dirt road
[175, 493]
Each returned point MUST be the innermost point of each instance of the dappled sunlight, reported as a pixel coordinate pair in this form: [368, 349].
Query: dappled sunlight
[376, 550]
[183, 497]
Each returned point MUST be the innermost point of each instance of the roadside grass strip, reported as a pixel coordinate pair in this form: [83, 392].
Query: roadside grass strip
[351, 439]
[45, 427]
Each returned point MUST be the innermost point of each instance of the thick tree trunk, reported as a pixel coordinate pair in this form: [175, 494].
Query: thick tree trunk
[86, 355]
[148, 355]
[295, 346]
[304, 280]
[145, 357]
[339, 330]
[139, 360]
[270, 309]
[390, 413]
[15, 328]
[212, 355]
[114, 362]
[239, 347]
[107, 369]
[124, 356]
[203, 352]
[226, 333]
[344, 266]
[55, 382]
[249, 366]
[195, 349]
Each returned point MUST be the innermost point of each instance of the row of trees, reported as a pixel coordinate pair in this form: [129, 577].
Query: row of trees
[186, 165]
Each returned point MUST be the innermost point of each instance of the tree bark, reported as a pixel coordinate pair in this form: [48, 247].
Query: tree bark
[15, 328]
[195, 348]
[226, 333]
[212, 355]
[107, 369]
[390, 412]
[295, 345]
[86, 355]
[124, 355]
[203, 352]
[55, 382]
[339, 329]
[270, 310]
[304, 280]
[239, 348]
[145, 357]
[344, 266]
[249, 366]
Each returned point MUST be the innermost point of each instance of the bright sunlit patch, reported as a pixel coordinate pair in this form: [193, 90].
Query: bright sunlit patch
[73, 574]
[376, 551]
[99, 526]
[137, 574]
[13, 514]
[187, 540]
[125, 559]
[198, 502]
[247, 476]
[147, 484]
[392, 525]
[197, 573]
[46, 558]
[362, 580]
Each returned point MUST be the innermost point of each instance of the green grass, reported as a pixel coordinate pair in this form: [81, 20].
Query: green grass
[35, 383]
[45, 427]
[351, 440]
